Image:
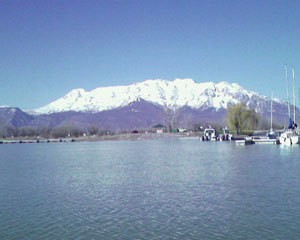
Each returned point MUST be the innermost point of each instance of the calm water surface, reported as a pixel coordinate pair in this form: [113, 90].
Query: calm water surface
[176, 189]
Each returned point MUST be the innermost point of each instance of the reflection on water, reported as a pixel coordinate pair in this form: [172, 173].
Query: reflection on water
[178, 189]
[286, 150]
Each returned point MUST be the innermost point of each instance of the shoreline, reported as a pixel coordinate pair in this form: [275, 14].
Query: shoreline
[115, 137]
[112, 137]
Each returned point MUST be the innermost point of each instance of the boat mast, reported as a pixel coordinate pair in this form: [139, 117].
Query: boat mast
[287, 91]
[294, 97]
[271, 111]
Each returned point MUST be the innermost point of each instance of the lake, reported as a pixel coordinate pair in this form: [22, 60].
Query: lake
[158, 189]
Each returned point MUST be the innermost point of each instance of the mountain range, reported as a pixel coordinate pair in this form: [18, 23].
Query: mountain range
[178, 103]
[166, 94]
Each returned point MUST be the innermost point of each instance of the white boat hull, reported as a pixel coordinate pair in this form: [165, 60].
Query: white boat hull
[285, 141]
[289, 138]
[295, 139]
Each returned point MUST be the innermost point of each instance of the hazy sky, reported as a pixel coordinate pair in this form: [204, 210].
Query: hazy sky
[48, 48]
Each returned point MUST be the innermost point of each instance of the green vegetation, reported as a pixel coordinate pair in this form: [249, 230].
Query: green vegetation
[241, 119]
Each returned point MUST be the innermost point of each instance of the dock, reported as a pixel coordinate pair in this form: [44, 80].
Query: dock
[256, 140]
[265, 140]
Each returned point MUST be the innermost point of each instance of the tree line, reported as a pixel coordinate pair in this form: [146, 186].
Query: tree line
[46, 132]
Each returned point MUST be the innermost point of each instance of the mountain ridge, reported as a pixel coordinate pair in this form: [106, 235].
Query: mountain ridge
[168, 94]
[181, 103]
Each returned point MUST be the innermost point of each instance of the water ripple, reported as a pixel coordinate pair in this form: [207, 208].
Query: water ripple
[149, 190]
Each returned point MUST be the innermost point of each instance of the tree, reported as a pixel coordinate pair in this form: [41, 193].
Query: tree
[240, 118]
[93, 130]
[171, 120]
[8, 131]
[66, 131]
[27, 131]
[43, 131]
[60, 132]
[250, 120]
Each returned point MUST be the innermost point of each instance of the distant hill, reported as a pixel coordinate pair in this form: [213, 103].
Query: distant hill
[14, 117]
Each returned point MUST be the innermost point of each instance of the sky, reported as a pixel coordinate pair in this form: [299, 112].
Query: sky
[48, 48]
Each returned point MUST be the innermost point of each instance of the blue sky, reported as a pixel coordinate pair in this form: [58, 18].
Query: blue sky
[48, 48]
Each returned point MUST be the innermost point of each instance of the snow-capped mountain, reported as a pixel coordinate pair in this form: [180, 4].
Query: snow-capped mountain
[179, 103]
[168, 94]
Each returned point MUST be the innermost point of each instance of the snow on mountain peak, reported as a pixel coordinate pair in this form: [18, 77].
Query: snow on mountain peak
[4, 106]
[170, 94]
[76, 93]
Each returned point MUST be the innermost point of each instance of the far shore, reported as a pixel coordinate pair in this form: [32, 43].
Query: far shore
[141, 136]
[109, 137]
[115, 137]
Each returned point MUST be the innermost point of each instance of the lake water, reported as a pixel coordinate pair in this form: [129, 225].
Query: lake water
[159, 189]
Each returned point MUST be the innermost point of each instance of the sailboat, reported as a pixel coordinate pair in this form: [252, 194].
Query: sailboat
[291, 135]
